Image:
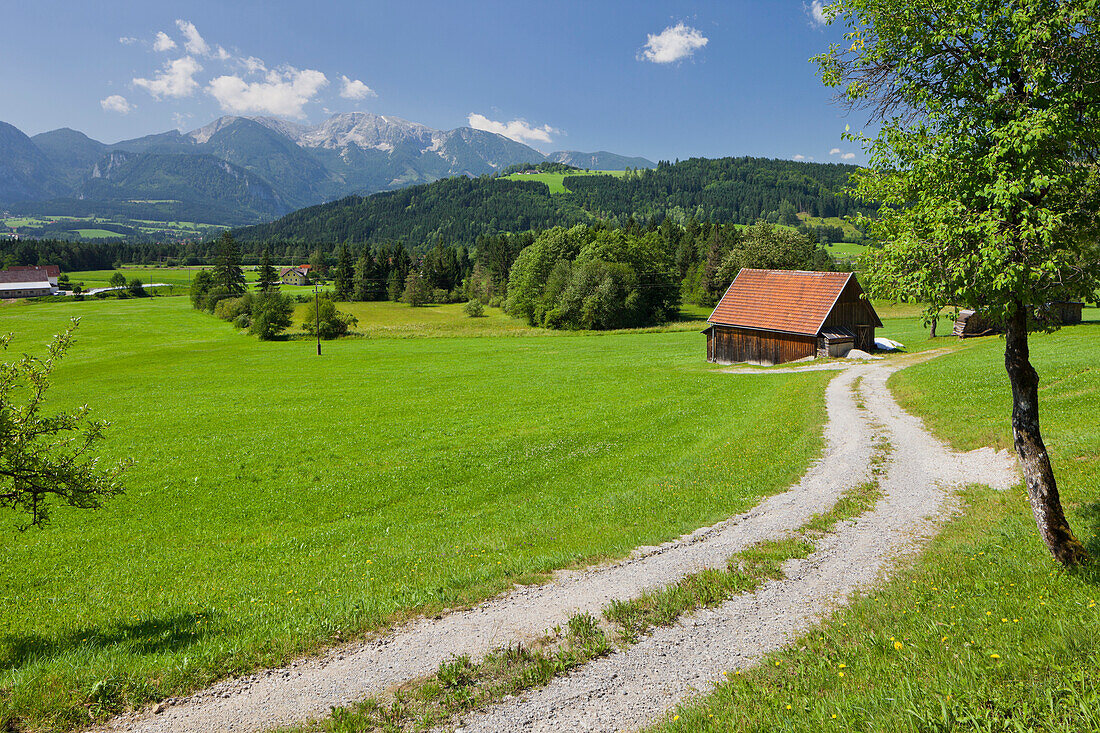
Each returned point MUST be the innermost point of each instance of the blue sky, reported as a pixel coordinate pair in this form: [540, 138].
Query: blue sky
[665, 80]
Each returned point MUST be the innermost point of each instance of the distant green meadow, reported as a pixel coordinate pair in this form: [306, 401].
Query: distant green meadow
[556, 181]
[281, 500]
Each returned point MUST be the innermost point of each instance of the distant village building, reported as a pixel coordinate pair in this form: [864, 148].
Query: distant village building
[295, 275]
[25, 284]
[776, 316]
[52, 272]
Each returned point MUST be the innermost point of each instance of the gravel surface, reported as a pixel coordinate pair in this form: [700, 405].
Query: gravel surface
[630, 688]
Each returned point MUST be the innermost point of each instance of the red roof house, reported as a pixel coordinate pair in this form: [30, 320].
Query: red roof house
[776, 316]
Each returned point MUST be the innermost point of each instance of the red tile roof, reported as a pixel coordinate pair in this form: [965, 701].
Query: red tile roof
[23, 276]
[50, 270]
[792, 301]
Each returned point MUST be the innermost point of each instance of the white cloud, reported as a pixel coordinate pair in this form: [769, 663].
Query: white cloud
[163, 42]
[181, 119]
[834, 151]
[193, 42]
[355, 89]
[848, 156]
[175, 80]
[116, 103]
[800, 156]
[282, 92]
[517, 130]
[253, 65]
[127, 40]
[673, 44]
[816, 11]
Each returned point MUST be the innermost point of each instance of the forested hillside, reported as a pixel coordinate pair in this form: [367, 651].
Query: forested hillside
[453, 210]
[458, 210]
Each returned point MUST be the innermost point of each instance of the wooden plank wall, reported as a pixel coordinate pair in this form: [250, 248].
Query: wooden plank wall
[851, 311]
[727, 345]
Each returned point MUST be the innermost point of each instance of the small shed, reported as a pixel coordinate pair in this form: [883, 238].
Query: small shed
[777, 316]
[975, 322]
[972, 322]
[1068, 312]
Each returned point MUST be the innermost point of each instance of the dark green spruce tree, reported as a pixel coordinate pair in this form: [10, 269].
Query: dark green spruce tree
[227, 266]
[268, 277]
[343, 279]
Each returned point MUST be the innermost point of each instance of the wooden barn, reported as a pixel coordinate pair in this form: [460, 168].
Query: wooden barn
[776, 316]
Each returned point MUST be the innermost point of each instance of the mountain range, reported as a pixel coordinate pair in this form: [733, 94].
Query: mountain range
[239, 170]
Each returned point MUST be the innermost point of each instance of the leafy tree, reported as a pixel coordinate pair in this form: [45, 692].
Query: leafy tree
[417, 289]
[318, 265]
[118, 280]
[986, 159]
[343, 280]
[767, 247]
[323, 318]
[268, 278]
[48, 458]
[201, 285]
[271, 314]
[788, 215]
[227, 268]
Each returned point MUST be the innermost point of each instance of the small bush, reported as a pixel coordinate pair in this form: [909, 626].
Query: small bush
[323, 318]
[242, 321]
[230, 309]
[271, 315]
[474, 309]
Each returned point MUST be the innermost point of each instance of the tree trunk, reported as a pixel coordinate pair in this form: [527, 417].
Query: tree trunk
[1042, 490]
[935, 320]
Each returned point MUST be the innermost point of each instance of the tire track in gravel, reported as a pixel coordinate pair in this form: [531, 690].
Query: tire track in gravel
[635, 687]
[645, 680]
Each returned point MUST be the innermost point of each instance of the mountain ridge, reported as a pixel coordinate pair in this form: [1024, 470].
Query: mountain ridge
[355, 153]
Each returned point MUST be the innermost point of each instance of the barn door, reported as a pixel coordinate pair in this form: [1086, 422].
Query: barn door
[864, 338]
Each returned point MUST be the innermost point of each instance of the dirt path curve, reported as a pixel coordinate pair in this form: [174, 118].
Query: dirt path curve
[632, 687]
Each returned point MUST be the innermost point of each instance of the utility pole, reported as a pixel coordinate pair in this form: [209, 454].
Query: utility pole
[317, 315]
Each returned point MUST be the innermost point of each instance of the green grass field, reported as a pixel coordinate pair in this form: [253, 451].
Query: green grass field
[556, 181]
[386, 319]
[984, 632]
[847, 250]
[281, 500]
[833, 221]
[171, 275]
[97, 234]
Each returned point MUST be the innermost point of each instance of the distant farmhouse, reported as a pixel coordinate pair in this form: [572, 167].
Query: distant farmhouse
[295, 275]
[52, 271]
[28, 282]
[776, 316]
